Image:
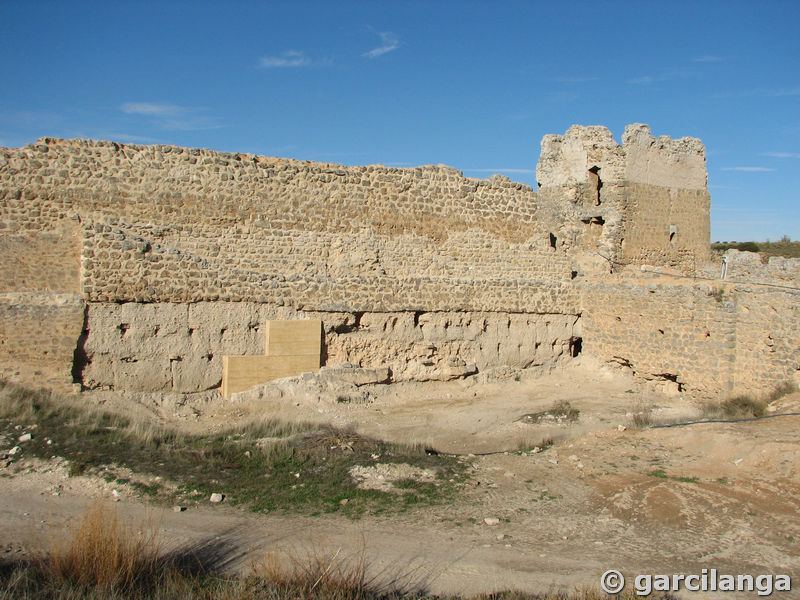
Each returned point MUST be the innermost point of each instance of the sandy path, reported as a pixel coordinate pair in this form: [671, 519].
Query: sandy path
[724, 496]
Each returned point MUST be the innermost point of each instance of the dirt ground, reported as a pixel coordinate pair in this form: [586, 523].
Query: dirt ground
[604, 495]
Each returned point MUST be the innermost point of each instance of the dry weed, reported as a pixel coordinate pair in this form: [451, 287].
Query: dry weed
[104, 553]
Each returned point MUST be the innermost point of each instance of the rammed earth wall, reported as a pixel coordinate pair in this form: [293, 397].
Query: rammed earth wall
[701, 337]
[138, 267]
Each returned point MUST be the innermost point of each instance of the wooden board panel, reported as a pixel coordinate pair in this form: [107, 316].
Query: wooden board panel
[293, 338]
[240, 373]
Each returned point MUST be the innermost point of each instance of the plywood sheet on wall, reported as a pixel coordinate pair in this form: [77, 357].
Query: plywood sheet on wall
[240, 373]
[293, 338]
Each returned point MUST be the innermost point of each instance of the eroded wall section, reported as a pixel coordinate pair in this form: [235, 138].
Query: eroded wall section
[177, 346]
[643, 202]
[155, 237]
[703, 337]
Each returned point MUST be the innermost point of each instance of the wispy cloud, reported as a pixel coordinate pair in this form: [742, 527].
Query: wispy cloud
[782, 154]
[152, 109]
[125, 138]
[748, 169]
[659, 77]
[795, 91]
[733, 209]
[561, 97]
[761, 92]
[171, 116]
[389, 42]
[27, 118]
[744, 222]
[504, 170]
[577, 79]
[645, 80]
[288, 59]
[707, 59]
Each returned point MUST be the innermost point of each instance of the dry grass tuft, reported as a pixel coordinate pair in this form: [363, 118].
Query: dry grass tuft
[781, 390]
[105, 560]
[316, 575]
[745, 406]
[104, 553]
[642, 416]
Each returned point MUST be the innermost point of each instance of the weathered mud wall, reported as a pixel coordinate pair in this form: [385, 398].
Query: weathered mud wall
[705, 338]
[163, 241]
[39, 334]
[643, 202]
[138, 267]
[176, 346]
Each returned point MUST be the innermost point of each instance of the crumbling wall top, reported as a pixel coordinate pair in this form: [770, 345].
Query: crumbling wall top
[642, 158]
[566, 159]
[662, 161]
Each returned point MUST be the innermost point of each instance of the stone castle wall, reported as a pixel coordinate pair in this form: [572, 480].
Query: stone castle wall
[645, 201]
[138, 267]
[179, 346]
[700, 336]
[170, 233]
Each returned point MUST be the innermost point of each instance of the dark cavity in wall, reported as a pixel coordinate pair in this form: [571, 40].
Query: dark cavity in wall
[575, 346]
[670, 377]
[80, 359]
[595, 184]
[323, 345]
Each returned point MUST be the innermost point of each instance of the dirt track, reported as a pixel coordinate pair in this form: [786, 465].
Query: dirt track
[724, 496]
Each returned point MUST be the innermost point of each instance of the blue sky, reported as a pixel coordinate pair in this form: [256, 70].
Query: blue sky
[474, 85]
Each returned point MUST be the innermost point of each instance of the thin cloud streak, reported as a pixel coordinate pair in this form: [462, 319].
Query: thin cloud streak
[171, 117]
[151, 109]
[782, 154]
[288, 59]
[389, 42]
[761, 93]
[646, 80]
[665, 76]
[747, 222]
[125, 138]
[707, 59]
[576, 79]
[748, 169]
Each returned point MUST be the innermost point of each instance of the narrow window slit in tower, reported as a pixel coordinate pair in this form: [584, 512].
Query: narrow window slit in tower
[595, 184]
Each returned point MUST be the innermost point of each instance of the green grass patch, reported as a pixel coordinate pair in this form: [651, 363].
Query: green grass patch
[265, 466]
[687, 479]
[662, 474]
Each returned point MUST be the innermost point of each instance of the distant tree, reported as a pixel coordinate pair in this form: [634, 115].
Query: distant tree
[748, 247]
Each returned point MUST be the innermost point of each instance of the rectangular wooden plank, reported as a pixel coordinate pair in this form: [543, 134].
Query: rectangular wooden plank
[240, 373]
[293, 338]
